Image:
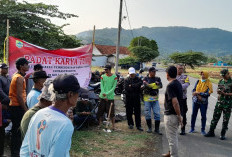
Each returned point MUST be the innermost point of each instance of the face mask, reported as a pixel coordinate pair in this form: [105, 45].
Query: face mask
[203, 80]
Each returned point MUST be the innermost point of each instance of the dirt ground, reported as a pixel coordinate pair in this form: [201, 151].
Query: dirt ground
[122, 142]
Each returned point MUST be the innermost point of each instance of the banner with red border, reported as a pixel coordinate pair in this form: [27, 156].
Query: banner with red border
[76, 61]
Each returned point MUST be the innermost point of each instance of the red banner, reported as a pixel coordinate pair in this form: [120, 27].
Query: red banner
[76, 61]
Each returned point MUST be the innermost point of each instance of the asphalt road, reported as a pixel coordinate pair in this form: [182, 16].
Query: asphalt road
[196, 145]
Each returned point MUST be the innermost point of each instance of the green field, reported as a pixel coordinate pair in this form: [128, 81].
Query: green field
[214, 72]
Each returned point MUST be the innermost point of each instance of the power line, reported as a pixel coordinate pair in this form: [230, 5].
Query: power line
[128, 19]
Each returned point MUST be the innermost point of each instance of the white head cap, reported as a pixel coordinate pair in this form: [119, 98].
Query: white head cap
[131, 70]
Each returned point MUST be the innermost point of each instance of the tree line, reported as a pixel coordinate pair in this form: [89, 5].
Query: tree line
[31, 22]
[144, 50]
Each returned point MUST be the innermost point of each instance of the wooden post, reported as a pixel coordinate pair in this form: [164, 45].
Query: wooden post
[7, 41]
[93, 40]
[118, 42]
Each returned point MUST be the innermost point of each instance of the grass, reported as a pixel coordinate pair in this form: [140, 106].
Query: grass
[122, 142]
[98, 143]
[213, 80]
[214, 73]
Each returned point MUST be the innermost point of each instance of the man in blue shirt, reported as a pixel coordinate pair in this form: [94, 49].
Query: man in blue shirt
[39, 77]
[50, 131]
[29, 81]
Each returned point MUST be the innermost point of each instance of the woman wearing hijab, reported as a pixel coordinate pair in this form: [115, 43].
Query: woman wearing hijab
[202, 90]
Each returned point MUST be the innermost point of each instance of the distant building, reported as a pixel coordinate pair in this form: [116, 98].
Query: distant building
[106, 54]
[220, 63]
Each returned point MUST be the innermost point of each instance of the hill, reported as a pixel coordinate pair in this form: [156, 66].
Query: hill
[170, 39]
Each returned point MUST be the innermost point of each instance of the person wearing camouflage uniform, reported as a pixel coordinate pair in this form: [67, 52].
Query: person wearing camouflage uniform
[184, 81]
[224, 104]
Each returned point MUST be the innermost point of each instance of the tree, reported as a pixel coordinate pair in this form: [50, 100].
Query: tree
[212, 60]
[144, 54]
[143, 49]
[31, 22]
[127, 60]
[189, 58]
[143, 41]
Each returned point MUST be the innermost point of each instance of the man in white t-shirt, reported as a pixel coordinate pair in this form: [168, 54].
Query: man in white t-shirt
[50, 131]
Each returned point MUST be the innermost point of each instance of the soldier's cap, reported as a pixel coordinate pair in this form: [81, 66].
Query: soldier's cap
[223, 72]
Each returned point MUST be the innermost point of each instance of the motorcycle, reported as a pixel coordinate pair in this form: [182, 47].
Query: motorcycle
[120, 85]
[123, 98]
[96, 87]
[94, 99]
[95, 77]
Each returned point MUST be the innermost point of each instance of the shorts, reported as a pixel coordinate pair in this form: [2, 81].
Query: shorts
[104, 107]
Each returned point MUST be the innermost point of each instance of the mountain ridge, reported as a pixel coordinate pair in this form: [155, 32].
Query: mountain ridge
[212, 41]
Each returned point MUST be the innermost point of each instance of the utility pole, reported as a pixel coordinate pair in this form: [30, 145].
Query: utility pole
[7, 40]
[93, 40]
[118, 42]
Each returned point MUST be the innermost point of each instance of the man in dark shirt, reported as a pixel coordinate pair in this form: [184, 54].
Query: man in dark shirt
[5, 100]
[132, 88]
[4, 85]
[172, 114]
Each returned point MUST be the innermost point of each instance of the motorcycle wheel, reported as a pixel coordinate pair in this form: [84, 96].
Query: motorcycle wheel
[117, 91]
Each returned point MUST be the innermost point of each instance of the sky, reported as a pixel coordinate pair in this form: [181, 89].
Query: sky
[150, 13]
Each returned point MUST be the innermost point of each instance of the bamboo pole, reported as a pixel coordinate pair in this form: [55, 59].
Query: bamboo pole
[118, 41]
[93, 40]
[7, 41]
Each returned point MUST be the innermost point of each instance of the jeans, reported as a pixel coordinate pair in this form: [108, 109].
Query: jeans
[203, 109]
[154, 105]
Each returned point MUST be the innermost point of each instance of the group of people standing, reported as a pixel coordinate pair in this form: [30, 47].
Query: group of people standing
[175, 103]
[49, 101]
[34, 114]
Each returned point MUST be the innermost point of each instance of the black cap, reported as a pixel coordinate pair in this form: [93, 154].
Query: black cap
[108, 67]
[39, 74]
[38, 67]
[64, 83]
[3, 66]
[152, 69]
[21, 61]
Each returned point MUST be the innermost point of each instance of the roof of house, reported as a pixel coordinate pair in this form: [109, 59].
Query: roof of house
[110, 50]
